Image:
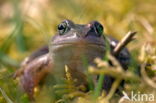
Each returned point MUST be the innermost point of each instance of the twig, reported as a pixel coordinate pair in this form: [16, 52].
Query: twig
[128, 38]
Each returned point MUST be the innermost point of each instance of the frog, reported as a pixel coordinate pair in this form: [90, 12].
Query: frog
[70, 46]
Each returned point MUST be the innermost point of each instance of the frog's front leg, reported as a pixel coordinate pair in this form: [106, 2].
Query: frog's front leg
[34, 72]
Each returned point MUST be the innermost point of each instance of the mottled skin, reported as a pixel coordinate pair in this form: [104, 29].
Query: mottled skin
[72, 45]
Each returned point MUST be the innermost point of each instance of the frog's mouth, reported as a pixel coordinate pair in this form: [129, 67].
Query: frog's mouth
[78, 46]
[83, 43]
[75, 44]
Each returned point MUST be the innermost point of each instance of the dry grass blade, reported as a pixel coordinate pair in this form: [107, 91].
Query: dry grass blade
[115, 73]
[113, 89]
[5, 96]
[128, 38]
[147, 80]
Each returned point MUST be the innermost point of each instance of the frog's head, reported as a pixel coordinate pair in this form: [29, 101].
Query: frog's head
[74, 42]
[78, 34]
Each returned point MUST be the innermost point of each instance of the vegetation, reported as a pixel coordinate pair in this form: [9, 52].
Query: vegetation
[26, 25]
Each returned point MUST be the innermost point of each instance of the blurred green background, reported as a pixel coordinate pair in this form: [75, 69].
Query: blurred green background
[26, 25]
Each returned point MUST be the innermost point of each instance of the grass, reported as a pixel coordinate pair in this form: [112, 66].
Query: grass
[26, 25]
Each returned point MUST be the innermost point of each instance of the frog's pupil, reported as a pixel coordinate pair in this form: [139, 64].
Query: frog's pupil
[99, 29]
[61, 27]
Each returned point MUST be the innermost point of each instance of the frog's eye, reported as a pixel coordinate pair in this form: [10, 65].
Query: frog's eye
[62, 28]
[99, 29]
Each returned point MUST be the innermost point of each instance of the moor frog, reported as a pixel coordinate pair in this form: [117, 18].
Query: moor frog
[70, 46]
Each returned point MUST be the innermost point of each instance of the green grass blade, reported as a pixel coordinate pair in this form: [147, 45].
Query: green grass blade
[6, 60]
[99, 86]
[18, 21]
